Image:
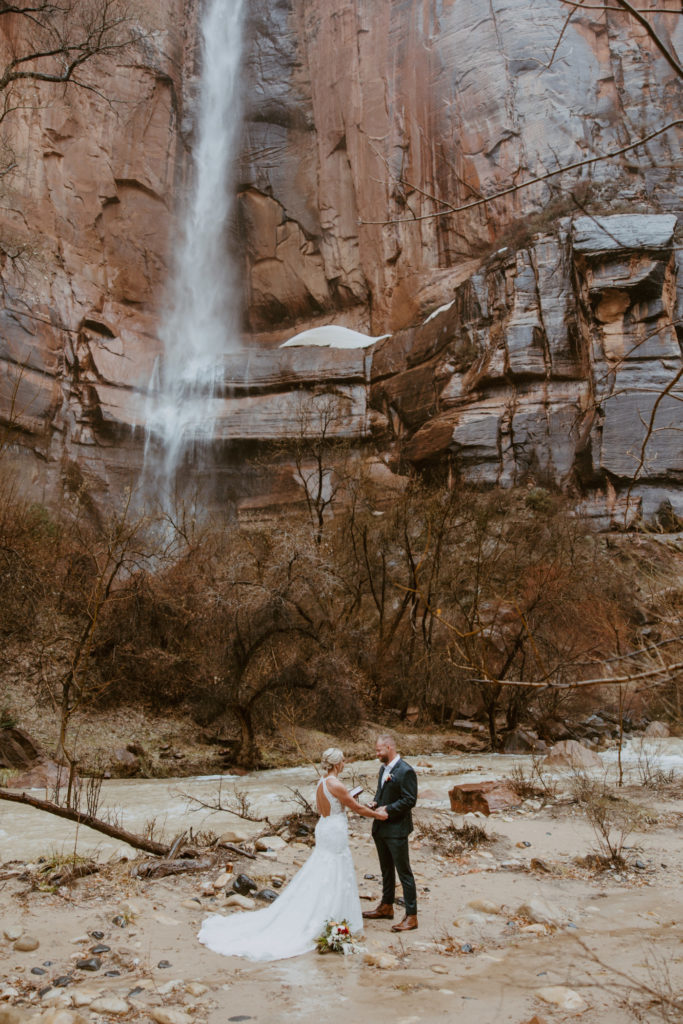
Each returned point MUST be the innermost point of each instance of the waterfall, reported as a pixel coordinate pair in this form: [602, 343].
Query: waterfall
[201, 320]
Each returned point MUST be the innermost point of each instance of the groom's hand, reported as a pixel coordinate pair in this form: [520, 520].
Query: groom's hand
[372, 805]
[382, 812]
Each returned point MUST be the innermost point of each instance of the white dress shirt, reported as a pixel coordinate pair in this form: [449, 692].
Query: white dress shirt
[388, 767]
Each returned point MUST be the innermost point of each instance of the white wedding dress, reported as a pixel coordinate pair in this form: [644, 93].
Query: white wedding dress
[324, 889]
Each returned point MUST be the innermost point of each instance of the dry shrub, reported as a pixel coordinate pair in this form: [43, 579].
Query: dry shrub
[451, 840]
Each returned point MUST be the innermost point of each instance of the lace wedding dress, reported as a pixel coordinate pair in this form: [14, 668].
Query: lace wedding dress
[324, 889]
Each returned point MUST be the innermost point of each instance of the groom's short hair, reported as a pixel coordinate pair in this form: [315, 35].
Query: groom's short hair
[388, 737]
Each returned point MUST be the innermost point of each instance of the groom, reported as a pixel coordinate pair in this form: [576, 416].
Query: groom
[397, 793]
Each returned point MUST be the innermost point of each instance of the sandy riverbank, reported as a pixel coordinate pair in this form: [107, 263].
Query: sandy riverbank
[631, 919]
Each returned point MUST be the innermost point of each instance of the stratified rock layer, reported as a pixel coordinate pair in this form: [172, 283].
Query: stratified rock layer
[523, 347]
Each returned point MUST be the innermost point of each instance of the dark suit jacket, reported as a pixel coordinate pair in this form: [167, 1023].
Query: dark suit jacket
[399, 796]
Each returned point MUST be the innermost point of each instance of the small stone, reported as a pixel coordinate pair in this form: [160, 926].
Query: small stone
[100, 948]
[83, 997]
[195, 988]
[370, 878]
[170, 986]
[169, 1015]
[534, 929]
[565, 998]
[232, 836]
[79, 940]
[222, 880]
[240, 1016]
[536, 864]
[26, 944]
[13, 932]
[539, 911]
[640, 865]
[276, 883]
[243, 885]
[164, 964]
[466, 948]
[38, 970]
[191, 904]
[119, 921]
[110, 1004]
[439, 969]
[271, 843]
[236, 900]
[267, 895]
[62, 981]
[112, 974]
[524, 844]
[97, 935]
[92, 963]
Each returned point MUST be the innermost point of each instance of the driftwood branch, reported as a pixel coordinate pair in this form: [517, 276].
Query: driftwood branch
[162, 868]
[139, 842]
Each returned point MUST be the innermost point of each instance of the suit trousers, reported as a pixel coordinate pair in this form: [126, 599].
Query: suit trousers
[392, 852]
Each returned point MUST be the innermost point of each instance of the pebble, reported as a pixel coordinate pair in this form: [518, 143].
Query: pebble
[38, 970]
[110, 1004]
[565, 998]
[62, 981]
[243, 885]
[267, 895]
[97, 935]
[119, 921]
[539, 911]
[439, 969]
[169, 1015]
[83, 997]
[92, 963]
[100, 948]
[270, 843]
[170, 986]
[13, 932]
[220, 881]
[191, 904]
[164, 964]
[236, 900]
[195, 988]
[26, 944]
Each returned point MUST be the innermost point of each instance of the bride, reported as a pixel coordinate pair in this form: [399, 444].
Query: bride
[323, 890]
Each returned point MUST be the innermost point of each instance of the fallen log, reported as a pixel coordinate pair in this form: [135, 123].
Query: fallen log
[161, 868]
[113, 831]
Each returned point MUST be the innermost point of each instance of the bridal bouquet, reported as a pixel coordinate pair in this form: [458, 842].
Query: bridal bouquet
[337, 938]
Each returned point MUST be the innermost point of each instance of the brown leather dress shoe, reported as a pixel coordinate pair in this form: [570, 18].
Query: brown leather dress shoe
[383, 910]
[408, 923]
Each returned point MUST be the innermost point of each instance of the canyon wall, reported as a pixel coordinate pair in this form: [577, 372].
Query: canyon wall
[373, 129]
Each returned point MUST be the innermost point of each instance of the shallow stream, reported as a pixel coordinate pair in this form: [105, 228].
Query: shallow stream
[26, 834]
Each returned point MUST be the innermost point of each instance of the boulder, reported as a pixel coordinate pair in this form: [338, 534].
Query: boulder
[572, 754]
[46, 774]
[485, 797]
[658, 730]
[522, 741]
[17, 749]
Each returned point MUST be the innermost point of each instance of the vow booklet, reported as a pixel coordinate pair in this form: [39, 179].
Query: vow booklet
[356, 792]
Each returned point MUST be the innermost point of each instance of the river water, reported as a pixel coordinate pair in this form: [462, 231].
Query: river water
[26, 834]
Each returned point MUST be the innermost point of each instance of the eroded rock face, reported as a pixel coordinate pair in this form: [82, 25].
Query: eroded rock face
[363, 120]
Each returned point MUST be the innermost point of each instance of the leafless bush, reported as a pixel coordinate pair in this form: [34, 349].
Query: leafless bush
[611, 817]
[533, 781]
[452, 840]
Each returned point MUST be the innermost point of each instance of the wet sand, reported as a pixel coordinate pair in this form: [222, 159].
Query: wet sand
[630, 918]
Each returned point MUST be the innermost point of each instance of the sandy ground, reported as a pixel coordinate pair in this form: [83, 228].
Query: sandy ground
[631, 919]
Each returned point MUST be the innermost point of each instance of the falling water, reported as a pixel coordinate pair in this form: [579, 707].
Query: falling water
[201, 322]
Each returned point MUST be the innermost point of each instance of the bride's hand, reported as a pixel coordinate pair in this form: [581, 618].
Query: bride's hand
[381, 813]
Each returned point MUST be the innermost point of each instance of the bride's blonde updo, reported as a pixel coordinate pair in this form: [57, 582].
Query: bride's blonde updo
[331, 758]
